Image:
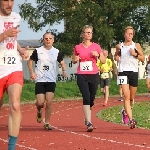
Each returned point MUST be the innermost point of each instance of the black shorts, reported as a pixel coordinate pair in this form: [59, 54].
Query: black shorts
[132, 77]
[104, 82]
[43, 87]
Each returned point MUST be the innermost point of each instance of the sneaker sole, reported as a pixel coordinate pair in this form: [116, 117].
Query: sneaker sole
[90, 129]
[133, 125]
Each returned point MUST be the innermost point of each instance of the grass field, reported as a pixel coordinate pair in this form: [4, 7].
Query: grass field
[69, 89]
[141, 112]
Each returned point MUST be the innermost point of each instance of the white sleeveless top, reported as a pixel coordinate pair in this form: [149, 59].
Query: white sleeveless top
[9, 56]
[127, 61]
[45, 67]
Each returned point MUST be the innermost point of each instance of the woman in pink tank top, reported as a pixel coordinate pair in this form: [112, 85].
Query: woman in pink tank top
[86, 55]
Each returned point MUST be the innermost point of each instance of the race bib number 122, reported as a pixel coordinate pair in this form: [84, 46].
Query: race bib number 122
[8, 58]
[121, 80]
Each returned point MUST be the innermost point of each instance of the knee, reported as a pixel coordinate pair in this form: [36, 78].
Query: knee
[15, 107]
[127, 97]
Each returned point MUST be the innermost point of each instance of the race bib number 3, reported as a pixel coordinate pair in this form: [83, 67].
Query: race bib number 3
[86, 66]
[8, 58]
[121, 80]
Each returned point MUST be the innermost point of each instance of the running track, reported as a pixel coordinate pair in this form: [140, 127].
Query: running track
[69, 131]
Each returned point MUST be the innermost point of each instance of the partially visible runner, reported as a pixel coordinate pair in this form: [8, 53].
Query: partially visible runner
[147, 68]
[11, 75]
[87, 53]
[104, 69]
[127, 54]
[45, 75]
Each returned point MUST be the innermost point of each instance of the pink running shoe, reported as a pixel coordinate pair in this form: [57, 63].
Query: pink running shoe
[125, 118]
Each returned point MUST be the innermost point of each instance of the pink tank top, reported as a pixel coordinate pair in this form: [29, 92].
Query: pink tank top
[87, 63]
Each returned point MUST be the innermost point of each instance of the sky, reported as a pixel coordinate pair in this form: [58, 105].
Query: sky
[27, 33]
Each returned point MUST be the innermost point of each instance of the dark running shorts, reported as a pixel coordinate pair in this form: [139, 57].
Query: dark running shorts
[43, 87]
[132, 77]
[104, 82]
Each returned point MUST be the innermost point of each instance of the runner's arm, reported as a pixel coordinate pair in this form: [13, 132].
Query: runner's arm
[117, 52]
[61, 61]
[140, 56]
[102, 58]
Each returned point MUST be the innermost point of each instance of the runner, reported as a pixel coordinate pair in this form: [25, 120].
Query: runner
[45, 75]
[127, 54]
[87, 53]
[11, 75]
[105, 69]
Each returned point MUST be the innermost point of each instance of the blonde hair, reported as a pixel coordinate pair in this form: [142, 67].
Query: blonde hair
[129, 27]
[85, 27]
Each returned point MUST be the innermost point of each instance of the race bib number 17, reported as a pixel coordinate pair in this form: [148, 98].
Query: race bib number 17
[8, 58]
[121, 80]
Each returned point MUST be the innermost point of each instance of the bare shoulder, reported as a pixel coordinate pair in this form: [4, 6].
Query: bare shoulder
[137, 45]
[118, 46]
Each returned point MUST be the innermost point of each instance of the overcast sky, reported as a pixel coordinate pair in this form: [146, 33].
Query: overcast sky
[28, 34]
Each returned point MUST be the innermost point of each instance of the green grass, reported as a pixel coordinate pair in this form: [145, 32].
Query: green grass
[141, 113]
[69, 89]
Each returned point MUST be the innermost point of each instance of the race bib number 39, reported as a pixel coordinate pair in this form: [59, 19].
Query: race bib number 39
[121, 80]
[8, 58]
[86, 66]
[46, 66]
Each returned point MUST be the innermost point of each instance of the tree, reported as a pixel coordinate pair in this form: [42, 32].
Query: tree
[108, 17]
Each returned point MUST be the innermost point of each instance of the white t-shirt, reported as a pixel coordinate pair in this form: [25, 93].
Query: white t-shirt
[127, 61]
[45, 63]
[9, 56]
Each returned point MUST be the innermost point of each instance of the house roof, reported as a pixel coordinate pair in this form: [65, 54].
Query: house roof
[30, 43]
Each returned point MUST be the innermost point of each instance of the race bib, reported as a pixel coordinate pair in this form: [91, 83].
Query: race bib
[86, 66]
[46, 66]
[8, 58]
[105, 75]
[121, 80]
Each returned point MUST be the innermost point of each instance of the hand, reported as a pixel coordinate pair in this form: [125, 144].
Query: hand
[132, 52]
[77, 58]
[117, 58]
[102, 70]
[64, 74]
[95, 53]
[33, 76]
[13, 32]
[111, 69]
[24, 53]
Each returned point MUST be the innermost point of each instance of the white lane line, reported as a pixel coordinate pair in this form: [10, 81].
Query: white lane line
[98, 138]
[30, 148]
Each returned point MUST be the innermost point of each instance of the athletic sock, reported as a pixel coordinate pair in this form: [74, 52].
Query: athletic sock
[11, 142]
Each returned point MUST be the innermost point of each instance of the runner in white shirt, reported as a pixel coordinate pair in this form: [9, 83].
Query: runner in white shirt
[147, 68]
[45, 75]
[11, 75]
[128, 54]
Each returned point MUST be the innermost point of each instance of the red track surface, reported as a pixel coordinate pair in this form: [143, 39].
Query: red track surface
[69, 131]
